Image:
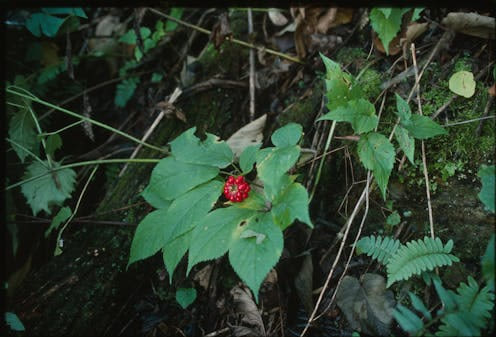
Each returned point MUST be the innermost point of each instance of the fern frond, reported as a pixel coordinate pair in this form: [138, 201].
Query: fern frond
[381, 249]
[407, 319]
[419, 256]
[478, 303]
[457, 324]
[125, 90]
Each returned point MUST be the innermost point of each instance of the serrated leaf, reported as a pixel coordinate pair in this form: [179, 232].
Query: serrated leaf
[422, 127]
[291, 204]
[170, 178]
[333, 70]
[248, 158]
[386, 26]
[22, 131]
[13, 321]
[216, 233]
[53, 143]
[63, 214]
[173, 252]
[360, 113]
[287, 135]
[487, 263]
[377, 154]
[51, 189]
[125, 90]
[402, 109]
[486, 195]
[252, 261]
[163, 226]
[188, 148]
[406, 142]
[462, 83]
[185, 296]
[272, 162]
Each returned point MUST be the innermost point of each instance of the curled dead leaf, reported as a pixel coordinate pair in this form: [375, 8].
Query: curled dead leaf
[250, 134]
[221, 31]
[276, 17]
[472, 24]
[246, 307]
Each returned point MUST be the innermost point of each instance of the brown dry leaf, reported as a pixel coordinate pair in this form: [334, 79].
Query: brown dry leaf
[245, 306]
[304, 283]
[492, 90]
[169, 110]
[413, 31]
[49, 54]
[221, 31]
[472, 24]
[276, 17]
[367, 305]
[394, 45]
[250, 134]
[202, 277]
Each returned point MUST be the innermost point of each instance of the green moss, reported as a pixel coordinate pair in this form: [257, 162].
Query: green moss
[370, 81]
[302, 111]
[348, 54]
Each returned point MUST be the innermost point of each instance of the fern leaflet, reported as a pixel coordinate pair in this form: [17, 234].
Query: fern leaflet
[381, 249]
[419, 256]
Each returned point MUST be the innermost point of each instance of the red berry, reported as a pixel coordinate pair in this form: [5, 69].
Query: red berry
[236, 189]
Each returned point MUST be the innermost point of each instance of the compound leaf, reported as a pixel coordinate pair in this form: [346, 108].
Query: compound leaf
[170, 178]
[125, 90]
[189, 149]
[377, 154]
[252, 261]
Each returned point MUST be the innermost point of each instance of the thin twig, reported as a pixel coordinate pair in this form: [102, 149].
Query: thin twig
[424, 160]
[240, 42]
[252, 68]
[172, 99]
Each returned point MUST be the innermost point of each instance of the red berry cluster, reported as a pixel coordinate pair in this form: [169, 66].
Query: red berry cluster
[236, 189]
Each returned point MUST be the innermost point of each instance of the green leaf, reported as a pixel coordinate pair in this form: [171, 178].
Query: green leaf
[14, 322]
[248, 158]
[487, 263]
[173, 252]
[255, 202]
[51, 189]
[156, 77]
[419, 305]
[125, 90]
[38, 23]
[130, 36]
[170, 178]
[277, 186]
[386, 26]
[188, 148]
[215, 235]
[393, 219]
[163, 226]
[63, 214]
[416, 13]
[360, 113]
[333, 70]
[406, 142]
[408, 321]
[422, 127]
[403, 109]
[175, 13]
[486, 195]
[53, 143]
[66, 10]
[287, 135]
[377, 154]
[185, 296]
[291, 204]
[252, 261]
[149, 236]
[154, 197]
[462, 83]
[22, 131]
[272, 162]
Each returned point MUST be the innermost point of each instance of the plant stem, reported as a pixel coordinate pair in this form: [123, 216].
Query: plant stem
[243, 43]
[28, 152]
[86, 119]
[85, 163]
[60, 130]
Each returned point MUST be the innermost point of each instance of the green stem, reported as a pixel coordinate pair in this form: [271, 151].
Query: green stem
[38, 127]
[86, 119]
[85, 163]
[60, 130]
[328, 143]
[28, 152]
